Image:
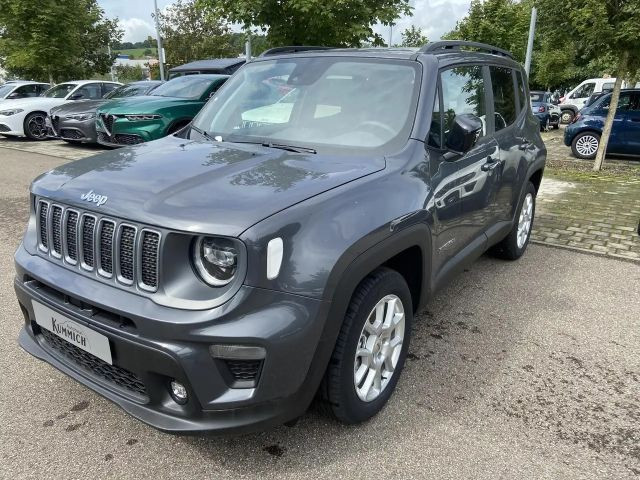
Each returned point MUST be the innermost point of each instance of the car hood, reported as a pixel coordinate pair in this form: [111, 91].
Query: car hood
[200, 187]
[142, 104]
[79, 106]
[35, 103]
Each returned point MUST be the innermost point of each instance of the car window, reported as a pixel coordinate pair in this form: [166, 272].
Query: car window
[91, 90]
[607, 86]
[584, 91]
[435, 130]
[522, 90]
[60, 91]
[191, 87]
[26, 91]
[463, 91]
[504, 97]
[42, 88]
[108, 87]
[130, 90]
[624, 102]
[536, 97]
[329, 103]
[634, 102]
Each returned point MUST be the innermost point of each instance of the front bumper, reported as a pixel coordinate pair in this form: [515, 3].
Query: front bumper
[73, 130]
[156, 344]
[569, 133]
[12, 125]
[124, 132]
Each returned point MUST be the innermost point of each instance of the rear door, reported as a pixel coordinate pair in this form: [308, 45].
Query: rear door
[630, 136]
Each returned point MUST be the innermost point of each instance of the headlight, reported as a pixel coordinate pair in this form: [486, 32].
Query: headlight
[8, 113]
[142, 116]
[81, 116]
[216, 260]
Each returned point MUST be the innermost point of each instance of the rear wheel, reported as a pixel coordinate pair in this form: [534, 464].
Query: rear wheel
[585, 145]
[566, 116]
[371, 348]
[515, 244]
[35, 127]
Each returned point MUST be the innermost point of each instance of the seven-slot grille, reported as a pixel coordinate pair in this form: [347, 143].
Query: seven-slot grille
[112, 248]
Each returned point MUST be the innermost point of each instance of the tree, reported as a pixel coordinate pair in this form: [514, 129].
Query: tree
[55, 39]
[193, 32]
[129, 73]
[413, 37]
[312, 22]
[610, 26]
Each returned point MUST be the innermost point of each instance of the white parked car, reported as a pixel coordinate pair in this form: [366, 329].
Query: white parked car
[26, 117]
[17, 90]
[573, 101]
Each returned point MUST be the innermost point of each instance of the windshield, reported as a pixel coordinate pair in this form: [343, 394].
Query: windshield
[6, 90]
[191, 88]
[59, 91]
[317, 102]
[129, 91]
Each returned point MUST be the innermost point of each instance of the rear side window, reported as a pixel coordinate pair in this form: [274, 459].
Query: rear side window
[634, 104]
[463, 91]
[504, 97]
[522, 91]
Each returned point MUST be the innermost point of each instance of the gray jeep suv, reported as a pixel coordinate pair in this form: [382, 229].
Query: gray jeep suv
[277, 249]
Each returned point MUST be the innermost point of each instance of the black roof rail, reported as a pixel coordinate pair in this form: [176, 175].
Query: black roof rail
[445, 46]
[292, 49]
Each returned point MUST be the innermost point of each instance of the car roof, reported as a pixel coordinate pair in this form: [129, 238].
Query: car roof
[83, 82]
[24, 82]
[212, 76]
[444, 57]
[220, 63]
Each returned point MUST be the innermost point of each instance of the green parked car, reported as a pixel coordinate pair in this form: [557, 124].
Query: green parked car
[170, 107]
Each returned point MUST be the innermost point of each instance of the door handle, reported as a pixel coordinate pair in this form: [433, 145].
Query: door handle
[636, 119]
[490, 165]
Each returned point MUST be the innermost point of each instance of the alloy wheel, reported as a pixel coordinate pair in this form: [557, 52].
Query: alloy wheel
[566, 117]
[587, 145]
[379, 348]
[524, 222]
[37, 127]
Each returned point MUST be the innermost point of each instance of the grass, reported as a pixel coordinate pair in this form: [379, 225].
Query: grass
[136, 53]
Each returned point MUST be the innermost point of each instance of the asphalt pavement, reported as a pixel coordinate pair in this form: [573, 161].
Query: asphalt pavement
[527, 369]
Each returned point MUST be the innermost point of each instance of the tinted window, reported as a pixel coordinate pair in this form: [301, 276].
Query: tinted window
[584, 91]
[43, 88]
[108, 87]
[462, 92]
[60, 91]
[27, 91]
[634, 103]
[190, 87]
[130, 90]
[504, 97]
[435, 131]
[624, 102]
[522, 91]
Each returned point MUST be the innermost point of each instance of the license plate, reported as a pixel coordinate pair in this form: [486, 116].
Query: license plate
[82, 337]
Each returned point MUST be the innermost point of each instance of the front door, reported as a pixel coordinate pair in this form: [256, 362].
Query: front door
[631, 127]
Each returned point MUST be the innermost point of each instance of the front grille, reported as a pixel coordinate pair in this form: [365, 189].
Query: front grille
[108, 122]
[112, 373]
[71, 133]
[106, 247]
[149, 260]
[104, 138]
[56, 226]
[72, 235]
[112, 248]
[127, 139]
[244, 370]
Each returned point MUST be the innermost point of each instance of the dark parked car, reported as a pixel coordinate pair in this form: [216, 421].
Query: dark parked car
[547, 112]
[277, 248]
[583, 134]
[75, 122]
[220, 66]
[167, 109]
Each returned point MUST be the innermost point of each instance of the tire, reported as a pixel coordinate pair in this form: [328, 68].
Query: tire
[556, 123]
[514, 245]
[34, 126]
[545, 127]
[347, 400]
[566, 116]
[585, 145]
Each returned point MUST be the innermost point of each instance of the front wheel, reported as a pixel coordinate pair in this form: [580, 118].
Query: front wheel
[566, 116]
[371, 348]
[514, 245]
[585, 145]
[35, 127]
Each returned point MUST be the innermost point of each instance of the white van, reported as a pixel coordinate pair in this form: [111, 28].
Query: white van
[576, 98]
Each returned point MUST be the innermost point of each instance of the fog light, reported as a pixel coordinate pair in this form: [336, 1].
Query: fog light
[178, 392]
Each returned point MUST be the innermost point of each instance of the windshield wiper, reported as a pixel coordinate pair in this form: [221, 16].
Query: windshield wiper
[289, 148]
[206, 135]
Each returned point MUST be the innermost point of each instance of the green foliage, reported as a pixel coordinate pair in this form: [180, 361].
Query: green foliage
[129, 73]
[311, 22]
[413, 37]
[193, 32]
[55, 40]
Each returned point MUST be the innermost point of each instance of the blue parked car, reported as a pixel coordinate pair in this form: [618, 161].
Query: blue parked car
[583, 134]
[545, 110]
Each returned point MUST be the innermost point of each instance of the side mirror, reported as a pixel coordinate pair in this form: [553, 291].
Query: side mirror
[76, 96]
[464, 133]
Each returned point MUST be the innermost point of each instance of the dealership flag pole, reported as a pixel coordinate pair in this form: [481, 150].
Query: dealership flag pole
[532, 31]
[160, 49]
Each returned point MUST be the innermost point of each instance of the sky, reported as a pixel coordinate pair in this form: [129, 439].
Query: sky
[435, 17]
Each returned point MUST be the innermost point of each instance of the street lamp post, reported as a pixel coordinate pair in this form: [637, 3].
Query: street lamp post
[159, 39]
